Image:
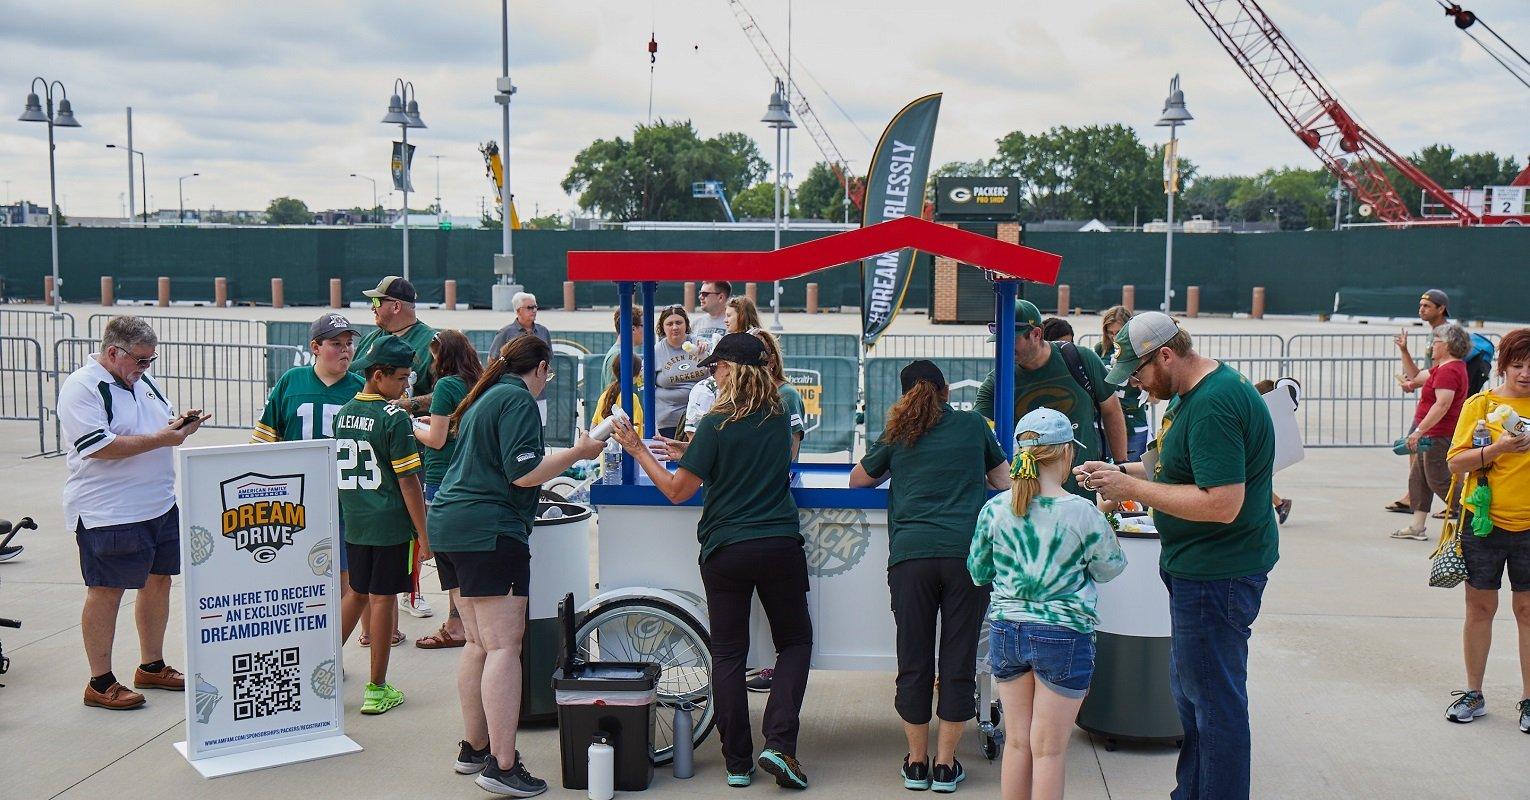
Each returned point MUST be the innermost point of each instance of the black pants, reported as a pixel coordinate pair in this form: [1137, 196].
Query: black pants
[777, 569]
[922, 589]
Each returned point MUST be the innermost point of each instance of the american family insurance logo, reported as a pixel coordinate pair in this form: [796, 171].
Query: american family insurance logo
[261, 513]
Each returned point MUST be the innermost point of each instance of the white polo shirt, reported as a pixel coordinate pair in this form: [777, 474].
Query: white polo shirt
[94, 408]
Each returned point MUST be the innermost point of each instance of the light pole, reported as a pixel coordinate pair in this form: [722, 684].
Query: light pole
[143, 174]
[1338, 191]
[180, 216]
[1174, 115]
[438, 187]
[504, 264]
[374, 190]
[779, 117]
[63, 119]
[404, 111]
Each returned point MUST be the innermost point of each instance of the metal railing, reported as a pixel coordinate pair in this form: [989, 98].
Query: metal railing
[230, 381]
[213, 330]
[1221, 345]
[933, 345]
[22, 376]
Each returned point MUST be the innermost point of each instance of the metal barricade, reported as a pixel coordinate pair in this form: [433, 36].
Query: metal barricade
[1346, 401]
[43, 326]
[219, 330]
[933, 345]
[22, 376]
[1221, 345]
[1365, 345]
[229, 381]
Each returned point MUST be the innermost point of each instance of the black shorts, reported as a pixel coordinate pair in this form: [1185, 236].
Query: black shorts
[380, 569]
[505, 570]
[1487, 557]
[124, 556]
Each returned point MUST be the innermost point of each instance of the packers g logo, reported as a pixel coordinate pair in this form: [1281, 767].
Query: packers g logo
[960, 194]
[262, 512]
[835, 539]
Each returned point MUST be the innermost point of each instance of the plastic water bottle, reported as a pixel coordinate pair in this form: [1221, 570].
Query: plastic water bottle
[1480, 435]
[553, 512]
[611, 463]
[601, 764]
[684, 765]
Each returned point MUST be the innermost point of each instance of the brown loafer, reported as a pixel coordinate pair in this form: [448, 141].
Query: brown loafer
[168, 678]
[116, 697]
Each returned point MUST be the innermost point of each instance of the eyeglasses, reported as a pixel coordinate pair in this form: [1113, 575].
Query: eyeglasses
[143, 363]
[531, 306]
[1020, 330]
[707, 294]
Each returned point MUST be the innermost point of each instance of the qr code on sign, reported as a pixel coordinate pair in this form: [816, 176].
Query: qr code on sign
[267, 683]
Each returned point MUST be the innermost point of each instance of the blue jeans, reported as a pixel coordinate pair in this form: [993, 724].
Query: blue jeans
[1136, 444]
[1208, 675]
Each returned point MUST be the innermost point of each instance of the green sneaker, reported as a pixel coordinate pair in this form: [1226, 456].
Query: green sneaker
[378, 699]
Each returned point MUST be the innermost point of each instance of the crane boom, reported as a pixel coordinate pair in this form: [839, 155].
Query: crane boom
[1318, 119]
[805, 113]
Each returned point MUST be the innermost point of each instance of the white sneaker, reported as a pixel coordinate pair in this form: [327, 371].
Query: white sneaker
[418, 608]
[1410, 532]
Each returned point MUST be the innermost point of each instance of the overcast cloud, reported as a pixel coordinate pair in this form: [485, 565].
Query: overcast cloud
[285, 98]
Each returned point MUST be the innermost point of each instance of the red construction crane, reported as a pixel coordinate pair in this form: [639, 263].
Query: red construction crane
[1353, 154]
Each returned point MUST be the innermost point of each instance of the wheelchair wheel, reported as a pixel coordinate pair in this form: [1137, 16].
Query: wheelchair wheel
[650, 630]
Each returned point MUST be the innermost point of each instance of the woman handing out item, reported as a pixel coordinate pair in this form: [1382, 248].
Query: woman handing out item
[750, 543]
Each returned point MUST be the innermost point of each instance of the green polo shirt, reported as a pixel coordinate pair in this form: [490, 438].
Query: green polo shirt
[444, 397]
[418, 336]
[1219, 433]
[746, 468]
[1053, 386]
[498, 440]
[939, 485]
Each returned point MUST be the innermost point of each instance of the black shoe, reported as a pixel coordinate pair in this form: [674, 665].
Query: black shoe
[945, 778]
[513, 782]
[1283, 511]
[761, 680]
[916, 776]
[470, 761]
[9, 552]
[788, 772]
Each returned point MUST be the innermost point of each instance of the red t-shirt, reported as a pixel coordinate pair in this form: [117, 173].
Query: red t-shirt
[1450, 376]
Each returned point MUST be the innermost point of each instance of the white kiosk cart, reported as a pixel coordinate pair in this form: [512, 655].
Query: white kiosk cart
[650, 606]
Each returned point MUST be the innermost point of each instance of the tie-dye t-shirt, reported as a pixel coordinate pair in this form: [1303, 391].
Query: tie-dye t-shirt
[1044, 566]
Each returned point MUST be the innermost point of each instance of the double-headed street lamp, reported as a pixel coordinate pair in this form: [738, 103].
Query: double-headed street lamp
[1174, 115]
[778, 116]
[404, 111]
[62, 118]
[181, 191]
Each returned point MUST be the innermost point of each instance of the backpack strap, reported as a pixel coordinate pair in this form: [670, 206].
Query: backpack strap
[1080, 375]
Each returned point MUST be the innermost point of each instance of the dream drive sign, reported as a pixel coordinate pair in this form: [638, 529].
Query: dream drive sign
[900, 166]
[259, 540]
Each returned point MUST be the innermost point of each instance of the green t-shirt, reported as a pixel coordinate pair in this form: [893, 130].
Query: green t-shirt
[301, 406]
[418, 336]
[1053, 386]
[376, 447]
[1219, 433]
[938, 486]
[1131, 397]
[791, 404]
[444, 397]
[498, 440]
[746, 468]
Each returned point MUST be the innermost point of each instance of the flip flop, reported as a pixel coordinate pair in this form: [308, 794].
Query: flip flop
[1399, 507]
[398, 639]
[439, 640]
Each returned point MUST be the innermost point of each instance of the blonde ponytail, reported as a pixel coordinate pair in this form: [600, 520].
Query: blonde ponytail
[1025, 473]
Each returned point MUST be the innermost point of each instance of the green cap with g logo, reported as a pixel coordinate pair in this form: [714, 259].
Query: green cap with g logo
[1139, 338]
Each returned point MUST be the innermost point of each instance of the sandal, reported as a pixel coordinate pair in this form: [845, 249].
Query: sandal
[439, 640]
[398, 639]
[1399, 507]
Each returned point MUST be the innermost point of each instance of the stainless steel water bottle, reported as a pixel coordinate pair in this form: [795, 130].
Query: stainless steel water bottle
[684, 763]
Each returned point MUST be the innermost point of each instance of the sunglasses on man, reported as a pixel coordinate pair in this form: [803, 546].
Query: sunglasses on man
[143, 363]
[1020, 330]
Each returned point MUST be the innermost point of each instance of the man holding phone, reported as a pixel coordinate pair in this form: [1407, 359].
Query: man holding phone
[119, 499]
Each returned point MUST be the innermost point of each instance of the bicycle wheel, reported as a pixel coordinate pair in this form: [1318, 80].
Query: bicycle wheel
[653, 631]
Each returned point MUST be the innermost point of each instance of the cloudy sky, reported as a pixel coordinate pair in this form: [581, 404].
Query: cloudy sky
[284, 98]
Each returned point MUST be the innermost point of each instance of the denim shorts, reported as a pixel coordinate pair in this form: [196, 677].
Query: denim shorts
[1062, 658]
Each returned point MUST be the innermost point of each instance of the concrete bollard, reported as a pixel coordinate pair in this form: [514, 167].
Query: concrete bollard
[449, 294]
[220, 292]
[278, 295]
[336, 294]
[1064, 298]
[690, 295]
[1193, 301]
[570, 299]
[47, 290]
[164, 292]
[108, 291]
[1129, 297]
[812, 298]
[752, 291]
[1258, 310]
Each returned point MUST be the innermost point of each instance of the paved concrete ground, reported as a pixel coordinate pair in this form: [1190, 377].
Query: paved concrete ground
[1353, 659]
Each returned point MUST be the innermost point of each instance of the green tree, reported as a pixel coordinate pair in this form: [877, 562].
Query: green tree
[1100, 171]
[756, 202]
[650, 177]
[821, 195]
[546, 222]
[288, 211]
[1452, 171]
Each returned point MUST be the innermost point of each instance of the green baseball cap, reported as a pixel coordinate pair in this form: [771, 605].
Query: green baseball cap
[1140, 337]
[390, 351]
[1026, 314]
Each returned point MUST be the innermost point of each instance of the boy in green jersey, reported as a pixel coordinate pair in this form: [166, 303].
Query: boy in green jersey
[384, 507]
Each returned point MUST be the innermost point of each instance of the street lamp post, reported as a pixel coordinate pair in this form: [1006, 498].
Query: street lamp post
[404, 111]
[505, 287]
[778, 116]
[374, 190]
[181, 196]
[143, 174]
[64, 118]
[1174, 115]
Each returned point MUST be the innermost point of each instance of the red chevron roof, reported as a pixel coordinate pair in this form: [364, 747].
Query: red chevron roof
[1015, 261]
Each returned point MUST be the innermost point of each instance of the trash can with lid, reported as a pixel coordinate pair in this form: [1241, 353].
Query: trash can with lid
[560, 553]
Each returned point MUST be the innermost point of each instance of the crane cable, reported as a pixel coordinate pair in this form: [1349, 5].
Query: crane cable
[1464, 20]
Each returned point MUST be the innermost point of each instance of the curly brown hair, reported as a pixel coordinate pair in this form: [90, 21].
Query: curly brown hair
[914, 414]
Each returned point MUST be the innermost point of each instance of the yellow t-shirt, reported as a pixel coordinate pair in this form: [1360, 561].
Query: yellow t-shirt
[635, 411]
[1509, 475]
